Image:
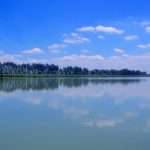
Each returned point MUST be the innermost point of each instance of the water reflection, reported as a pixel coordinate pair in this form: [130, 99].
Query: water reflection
[107, 108]
[73, 96]
[12, 84]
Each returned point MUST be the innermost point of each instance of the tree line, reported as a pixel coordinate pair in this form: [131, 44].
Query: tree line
[51, 69]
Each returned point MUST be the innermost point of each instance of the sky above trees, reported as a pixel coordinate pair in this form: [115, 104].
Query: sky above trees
[89, 33]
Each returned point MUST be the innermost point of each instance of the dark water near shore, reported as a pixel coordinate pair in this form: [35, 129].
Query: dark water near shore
[74, 113]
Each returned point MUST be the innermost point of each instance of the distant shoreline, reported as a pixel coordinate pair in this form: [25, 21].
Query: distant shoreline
[10, 69]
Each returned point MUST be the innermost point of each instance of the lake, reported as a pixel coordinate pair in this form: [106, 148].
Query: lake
[75, 113]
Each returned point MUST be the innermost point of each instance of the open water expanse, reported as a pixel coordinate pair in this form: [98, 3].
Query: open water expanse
[75, 113]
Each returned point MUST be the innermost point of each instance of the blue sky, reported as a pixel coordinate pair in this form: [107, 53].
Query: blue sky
[88, 33]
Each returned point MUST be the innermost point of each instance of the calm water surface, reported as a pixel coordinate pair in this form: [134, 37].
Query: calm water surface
[75, 114]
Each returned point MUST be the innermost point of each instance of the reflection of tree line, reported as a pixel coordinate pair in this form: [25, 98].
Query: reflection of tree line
[25, 84]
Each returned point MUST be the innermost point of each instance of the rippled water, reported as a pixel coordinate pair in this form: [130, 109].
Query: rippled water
[75, 114]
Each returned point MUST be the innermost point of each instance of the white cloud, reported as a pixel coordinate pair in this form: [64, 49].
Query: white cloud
[131, 114]
[75, 112]
[103, 123]
[118, 50]
[147, 29]
[56, 46]
[33, 100]
[82, 57]
[101, 37]
[131, 37]
[145, 23]
[101, 28]
[75, 38]
[34, 51]
[136, 62]
[144, 45]
[17, 55]
[7, 57]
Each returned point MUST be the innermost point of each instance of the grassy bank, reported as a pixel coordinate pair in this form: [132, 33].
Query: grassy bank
[54, 76]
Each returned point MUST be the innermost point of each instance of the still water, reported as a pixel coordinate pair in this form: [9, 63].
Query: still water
[75, 114]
